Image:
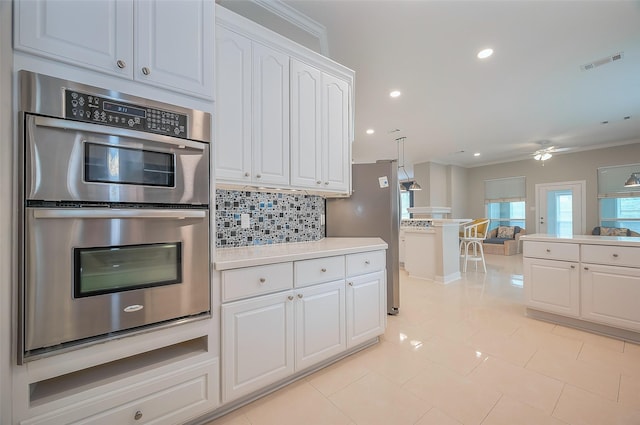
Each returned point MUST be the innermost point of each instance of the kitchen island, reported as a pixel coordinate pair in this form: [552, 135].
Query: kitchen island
[584, 281]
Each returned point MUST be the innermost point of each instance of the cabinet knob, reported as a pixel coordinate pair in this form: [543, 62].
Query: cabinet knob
[323, 270]
[299, 295]
[247, 174]
[548, 250]
[121, 64]
[262, 280]
[350, 283]
[290, 297]
[615, 255]
[326, 183]
[573, 267]
[367, 262]
[138, 415]
[258, 176]
[586, 268]
[145, 70]
[318, 182]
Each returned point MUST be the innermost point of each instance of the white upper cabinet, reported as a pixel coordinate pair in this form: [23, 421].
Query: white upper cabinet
[252, 104]
[319, 129]
[173, 45]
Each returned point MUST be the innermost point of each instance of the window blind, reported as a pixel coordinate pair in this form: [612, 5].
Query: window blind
[611, 181]
[510, 189]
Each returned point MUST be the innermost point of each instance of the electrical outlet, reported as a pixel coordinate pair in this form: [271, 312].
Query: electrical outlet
[322, 220]
[244, 221]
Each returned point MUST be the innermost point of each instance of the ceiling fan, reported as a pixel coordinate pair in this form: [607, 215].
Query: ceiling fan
[546, 150]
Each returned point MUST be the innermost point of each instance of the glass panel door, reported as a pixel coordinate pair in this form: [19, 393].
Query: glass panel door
[560, 208]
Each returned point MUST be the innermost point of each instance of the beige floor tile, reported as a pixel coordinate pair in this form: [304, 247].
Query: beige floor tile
[501, 346]
[509, 411]
[456, 356]
[337, 376]
[579, 407]
[374, 400]
[591, 338]
[524, 385]
[457, 396]
[560, 346]
[296, 404]
[629, 391]
[631, 348]
[577, 373]
[493, 320]
[436, 416]
[626, 363]
[394, 363]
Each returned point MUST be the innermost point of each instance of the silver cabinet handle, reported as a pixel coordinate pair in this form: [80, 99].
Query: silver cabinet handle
[548, 250]
[573, 267]
[367, 262]
[258, 176]
[116, 213]
[247, 174]
[350, 283]
[121, 64]
[290, 297]
[145, 70]
[586, 268]
[323, 270]
[300, 295]
[326, 183]
[615, 255]
[318, 182]
[262, 280]
[138, 415]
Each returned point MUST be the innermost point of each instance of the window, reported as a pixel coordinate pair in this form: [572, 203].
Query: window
[619, 206]
[505, 202]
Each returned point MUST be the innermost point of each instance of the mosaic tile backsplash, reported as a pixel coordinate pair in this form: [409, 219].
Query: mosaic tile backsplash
[415, 222]
[273, 218]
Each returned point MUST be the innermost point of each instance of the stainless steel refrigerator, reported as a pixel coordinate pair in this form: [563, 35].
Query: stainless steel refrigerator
[372, 210]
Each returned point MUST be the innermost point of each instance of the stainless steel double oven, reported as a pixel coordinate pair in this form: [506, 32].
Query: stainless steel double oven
[115, 215]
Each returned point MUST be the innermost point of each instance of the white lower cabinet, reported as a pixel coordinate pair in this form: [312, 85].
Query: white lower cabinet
[257, 343]
[320, 323]
[552, 286]
[167, 399]
[366, 307]
[610, 295]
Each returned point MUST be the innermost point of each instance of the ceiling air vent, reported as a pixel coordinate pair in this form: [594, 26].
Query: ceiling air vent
[603, 61]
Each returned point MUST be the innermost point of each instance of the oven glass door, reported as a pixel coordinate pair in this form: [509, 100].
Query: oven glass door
[105, 270]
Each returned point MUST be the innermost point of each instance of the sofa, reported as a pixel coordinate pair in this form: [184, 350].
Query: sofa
[613, 231]
[503, 240]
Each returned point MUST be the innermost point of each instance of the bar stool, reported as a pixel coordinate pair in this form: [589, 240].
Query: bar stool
[471, 241]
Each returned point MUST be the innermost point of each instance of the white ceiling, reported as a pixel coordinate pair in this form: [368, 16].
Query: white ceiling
[453, 104]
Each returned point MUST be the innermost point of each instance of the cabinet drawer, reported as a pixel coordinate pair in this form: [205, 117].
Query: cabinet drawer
[552, 250]
[250, 281]
[310, 272]
[611, 255]
[366, 262]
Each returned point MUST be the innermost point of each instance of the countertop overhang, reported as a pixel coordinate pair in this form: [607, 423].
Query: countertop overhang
[233, 258]
[584, 239]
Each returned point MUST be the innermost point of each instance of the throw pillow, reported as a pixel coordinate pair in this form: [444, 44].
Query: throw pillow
[505, 232]
[614, 231]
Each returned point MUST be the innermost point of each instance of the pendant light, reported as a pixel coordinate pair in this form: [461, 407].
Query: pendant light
[414, 185]
[633, 180]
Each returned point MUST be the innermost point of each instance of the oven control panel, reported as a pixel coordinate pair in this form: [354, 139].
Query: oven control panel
[100, 110]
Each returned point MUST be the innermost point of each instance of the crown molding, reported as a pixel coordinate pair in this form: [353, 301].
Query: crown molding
[293, 16]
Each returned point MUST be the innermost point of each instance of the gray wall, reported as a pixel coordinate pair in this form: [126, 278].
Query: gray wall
[562, 167]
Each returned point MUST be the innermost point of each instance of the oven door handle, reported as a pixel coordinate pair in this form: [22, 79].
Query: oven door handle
[115, 131]
[107, 213]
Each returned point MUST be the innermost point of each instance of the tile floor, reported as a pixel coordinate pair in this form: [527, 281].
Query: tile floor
[464, 353]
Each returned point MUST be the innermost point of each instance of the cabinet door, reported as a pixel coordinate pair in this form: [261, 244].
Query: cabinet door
[270, 116]
[175, 44]
[335, 134]
[91, 34]
[257, 343]
[320, 323]
[233, 107]
[610, 295]
[366, 307]
[306, 137]
[552, 286]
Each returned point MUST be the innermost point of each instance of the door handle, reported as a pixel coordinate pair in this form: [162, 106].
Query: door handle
[107, 213]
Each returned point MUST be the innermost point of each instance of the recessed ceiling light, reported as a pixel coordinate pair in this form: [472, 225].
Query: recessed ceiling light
[476, 154]
[370, 131]
[395, 93]
[483, 54]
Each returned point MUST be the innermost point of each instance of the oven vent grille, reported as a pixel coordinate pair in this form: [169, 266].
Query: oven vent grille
[603, 61]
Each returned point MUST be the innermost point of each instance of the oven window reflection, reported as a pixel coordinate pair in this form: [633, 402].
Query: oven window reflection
[104, 270]
[114, 164]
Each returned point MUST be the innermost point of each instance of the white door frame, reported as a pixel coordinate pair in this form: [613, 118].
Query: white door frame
[581, 186]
